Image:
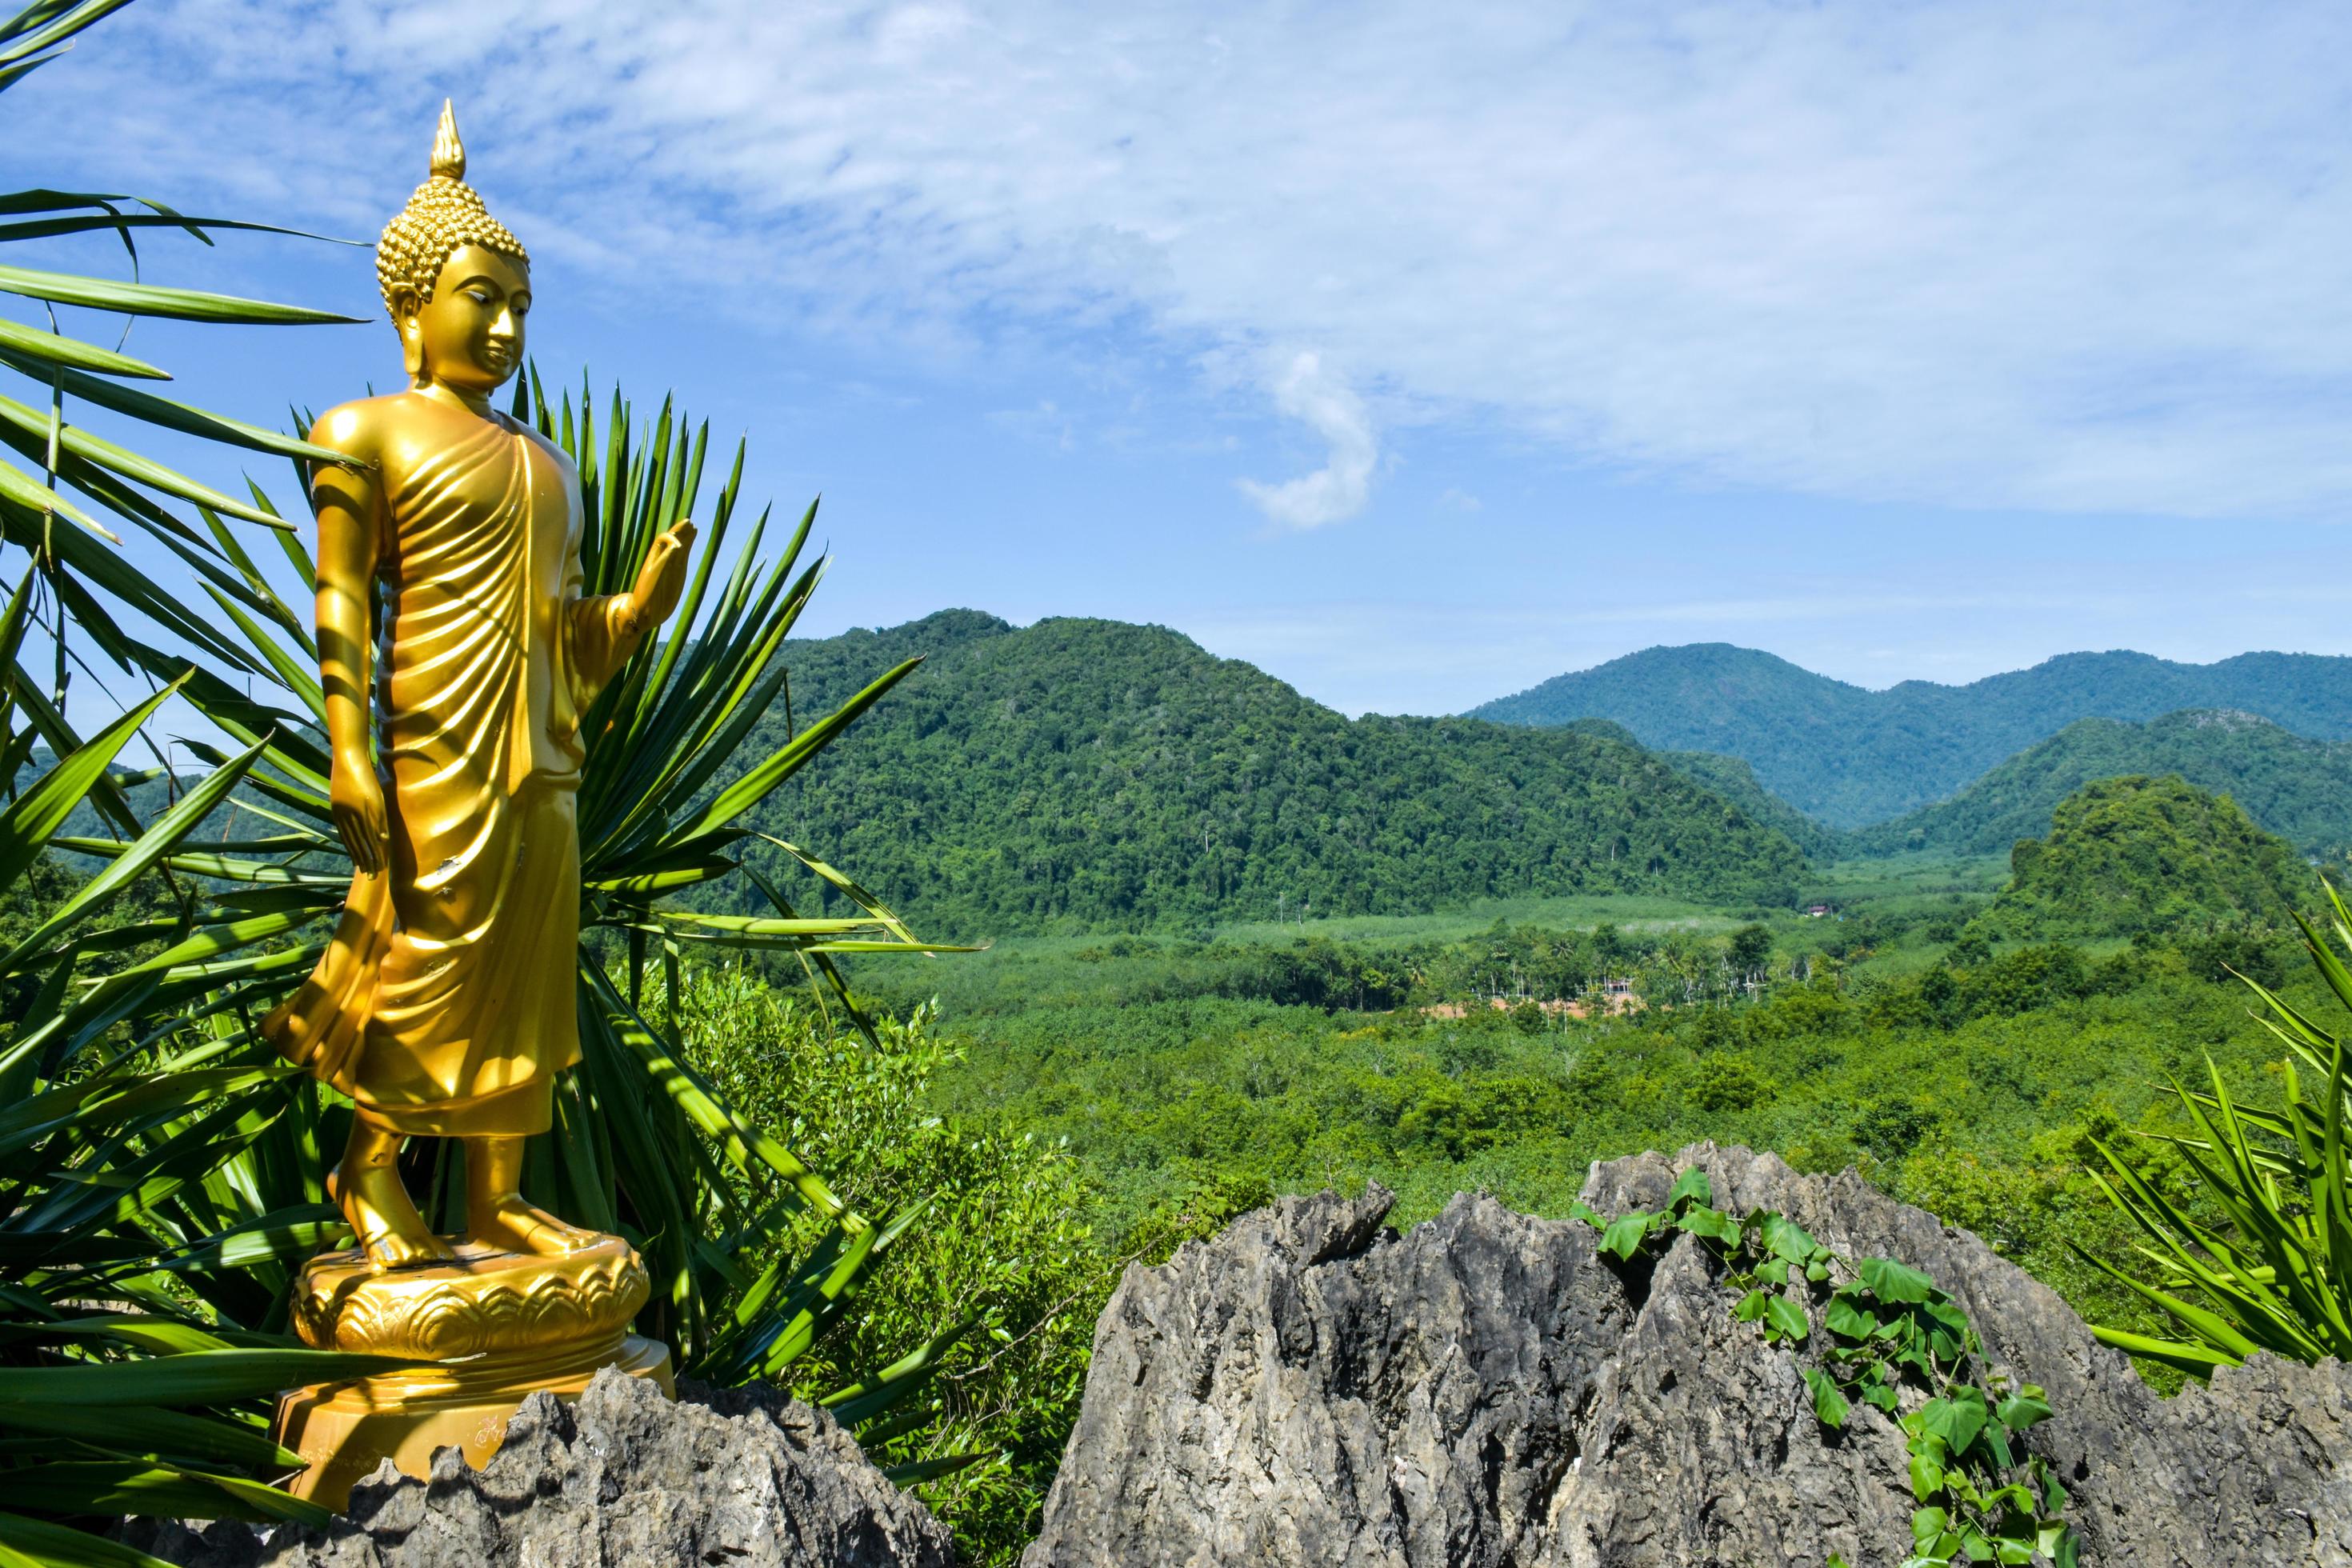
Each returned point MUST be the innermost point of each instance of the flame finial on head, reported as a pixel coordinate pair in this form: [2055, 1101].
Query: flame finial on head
[444, 214]
[448, 152]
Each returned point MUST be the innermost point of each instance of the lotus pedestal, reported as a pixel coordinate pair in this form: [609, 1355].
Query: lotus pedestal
[500, 1326]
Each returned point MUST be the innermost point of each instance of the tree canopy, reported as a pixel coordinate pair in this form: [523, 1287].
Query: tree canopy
[1087, 772]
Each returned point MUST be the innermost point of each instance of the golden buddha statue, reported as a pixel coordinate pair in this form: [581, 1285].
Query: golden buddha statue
[445, 1005]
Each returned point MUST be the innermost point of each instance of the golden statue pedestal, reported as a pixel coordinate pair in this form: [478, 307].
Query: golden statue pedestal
[501, 1325]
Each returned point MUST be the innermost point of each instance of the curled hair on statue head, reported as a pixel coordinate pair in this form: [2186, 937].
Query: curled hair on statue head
[443, 213]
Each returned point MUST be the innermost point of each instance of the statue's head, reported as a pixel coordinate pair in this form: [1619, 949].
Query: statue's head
[457, 282]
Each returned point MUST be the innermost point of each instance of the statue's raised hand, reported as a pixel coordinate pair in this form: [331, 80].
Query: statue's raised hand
[662, 579]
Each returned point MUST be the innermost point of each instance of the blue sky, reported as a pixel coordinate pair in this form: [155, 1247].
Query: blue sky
[1416, 353]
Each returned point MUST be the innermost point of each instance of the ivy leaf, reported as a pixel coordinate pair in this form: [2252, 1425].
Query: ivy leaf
[1750, 1308]
[1892, 1281]
[1579, 1209]
[1956, 1419]
[1926, 1524]
[1691, 1187]
[1783, 1318]
[1624, 1235]
[1784, 1238]
[1830, 1406]
[1926, 1476]
[1945, 1310]
[2024, 1410]
[1845, 1318]
[1713, 1223]
[1773, 1271]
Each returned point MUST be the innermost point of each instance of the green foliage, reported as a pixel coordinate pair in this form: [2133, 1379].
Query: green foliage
[144, 1244]
[2275, 1274]
[1887, 1330]
[2142, 853]
[1735, 781]
[1080, 774]
[151, 1193]
[1851, 757]
[2299, 789]
[1001, 1253]
[1975, 1092]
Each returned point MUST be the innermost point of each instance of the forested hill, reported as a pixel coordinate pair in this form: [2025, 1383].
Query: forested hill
[1853, 757]
[1735, 781]
[2128, 855]
[2297, 788]
[1082, 772]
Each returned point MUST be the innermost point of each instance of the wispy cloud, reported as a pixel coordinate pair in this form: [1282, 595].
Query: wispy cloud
[1305, 390]
[2006, 253]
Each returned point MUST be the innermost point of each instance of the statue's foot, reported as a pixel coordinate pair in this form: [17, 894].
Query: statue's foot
[510, 1225]
[390, 1230]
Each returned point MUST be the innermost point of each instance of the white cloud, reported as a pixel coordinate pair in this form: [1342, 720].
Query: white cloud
[1305, 390]
[2006, 253]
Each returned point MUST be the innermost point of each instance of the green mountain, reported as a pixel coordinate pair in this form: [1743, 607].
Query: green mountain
[1735, 781]
[1852, 757]
[1083, 773]
[2298, 789]
[2135, 853]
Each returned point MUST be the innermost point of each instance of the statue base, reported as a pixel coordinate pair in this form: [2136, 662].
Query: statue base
[499, 1326]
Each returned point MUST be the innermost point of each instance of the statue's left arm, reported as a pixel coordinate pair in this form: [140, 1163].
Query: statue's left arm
[606, 629]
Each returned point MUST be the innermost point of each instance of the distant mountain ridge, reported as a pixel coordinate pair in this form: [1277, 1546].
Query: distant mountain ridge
[1852, 757]
[1079, 773]
[2297, 788]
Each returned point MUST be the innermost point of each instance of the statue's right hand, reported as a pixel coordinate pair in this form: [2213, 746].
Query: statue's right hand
[357, 800]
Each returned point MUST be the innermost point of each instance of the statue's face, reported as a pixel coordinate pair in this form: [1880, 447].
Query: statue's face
[471, 333]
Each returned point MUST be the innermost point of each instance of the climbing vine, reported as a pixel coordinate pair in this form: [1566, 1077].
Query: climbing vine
[1889, 1338]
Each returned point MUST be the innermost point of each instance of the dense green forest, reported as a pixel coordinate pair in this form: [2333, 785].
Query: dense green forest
[1853, 757]
[1735, 781]
[2137, 854]
[1078, 773]
[1192, 1080]
[2299, 789]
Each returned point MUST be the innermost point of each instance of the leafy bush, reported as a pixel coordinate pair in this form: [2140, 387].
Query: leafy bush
[2274, 1272]
[1728, 1083]
[1002, 1250]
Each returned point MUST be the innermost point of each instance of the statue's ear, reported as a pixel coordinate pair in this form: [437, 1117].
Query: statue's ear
[406, 305]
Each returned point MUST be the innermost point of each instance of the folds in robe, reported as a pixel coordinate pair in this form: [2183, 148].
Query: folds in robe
[445, 1005]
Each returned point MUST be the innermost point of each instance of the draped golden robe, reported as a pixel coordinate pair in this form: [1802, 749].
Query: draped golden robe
[445, 1005]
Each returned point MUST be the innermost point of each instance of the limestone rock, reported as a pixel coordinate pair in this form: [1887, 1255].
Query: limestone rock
[1491, 1392]
[746, 1477]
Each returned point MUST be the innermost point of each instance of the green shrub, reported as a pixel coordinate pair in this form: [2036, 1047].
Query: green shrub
[1004, 1239]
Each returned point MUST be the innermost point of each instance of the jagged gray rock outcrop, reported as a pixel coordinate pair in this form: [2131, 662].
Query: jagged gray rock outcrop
[747, 1477]
[1490, 1391]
